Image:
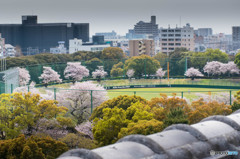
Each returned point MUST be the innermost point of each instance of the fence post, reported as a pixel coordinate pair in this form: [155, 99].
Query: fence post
[55, 91]
[185, 65]
[182, 94]
[145, 68]
[28, 88]
[134, 92]
[91, 102]
[11, 88]
[230, 97]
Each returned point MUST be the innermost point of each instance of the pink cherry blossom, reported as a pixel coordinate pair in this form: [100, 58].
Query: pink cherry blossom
[75, 71]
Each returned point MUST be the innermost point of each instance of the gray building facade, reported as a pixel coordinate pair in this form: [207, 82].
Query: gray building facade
[43, 36]
[203, 32]
[236, 37]
[150, 28]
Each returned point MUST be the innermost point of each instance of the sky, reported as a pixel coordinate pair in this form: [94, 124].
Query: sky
[121, 15]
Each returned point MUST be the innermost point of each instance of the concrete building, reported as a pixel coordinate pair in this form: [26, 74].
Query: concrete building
[141, 47]
[171, 38]
[10, 50]
[108, 35]
[31, 34]
[236, 37]
[203, 32]
[150, 28]
[75, 45]
[61, 49]
[93, 48]
[218, 41]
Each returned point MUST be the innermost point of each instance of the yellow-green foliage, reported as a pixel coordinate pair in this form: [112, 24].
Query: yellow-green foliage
[106, 130]
[123, 102]
[236, 103]
[144, 127]
[31, 148]
[78, 141]
[20, 112]
[201, 109]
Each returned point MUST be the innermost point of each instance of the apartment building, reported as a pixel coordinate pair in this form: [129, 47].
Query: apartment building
[236, 37]
[141, 47]
[172, 38]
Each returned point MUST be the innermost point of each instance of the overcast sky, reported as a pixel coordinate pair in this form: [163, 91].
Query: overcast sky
[121, 15]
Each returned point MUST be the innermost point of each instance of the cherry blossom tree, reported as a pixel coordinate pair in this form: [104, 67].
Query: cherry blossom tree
[160, 73]
[24, 76]
[79, 97]
[49, 75]
[99, 73]
[75, 71]
[85, 128]
[230, 68]
[130, 73]
[192, 72]
[213, 68]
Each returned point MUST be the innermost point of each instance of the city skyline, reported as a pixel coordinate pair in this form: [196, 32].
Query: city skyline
[108, 15]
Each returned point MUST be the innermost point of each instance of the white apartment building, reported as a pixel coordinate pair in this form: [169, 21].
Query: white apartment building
[10, 50]
[172, 38]
[93, 48]
[75, 45]
[61, 49]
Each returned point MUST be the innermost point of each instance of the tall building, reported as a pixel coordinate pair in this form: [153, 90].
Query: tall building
[141, 47]
[150, 28]
[204, 32]
[31, 34]
[236, 37]
[172, 38]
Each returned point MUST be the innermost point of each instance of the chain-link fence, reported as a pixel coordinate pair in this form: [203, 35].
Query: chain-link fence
[117, 69]
[92, 98]
[9, 80]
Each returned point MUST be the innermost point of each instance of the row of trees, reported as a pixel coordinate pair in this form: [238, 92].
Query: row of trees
[116, 64]
[214, 69]
[110, 53]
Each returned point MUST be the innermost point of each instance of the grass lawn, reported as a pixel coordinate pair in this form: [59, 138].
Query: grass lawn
[148, 93]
